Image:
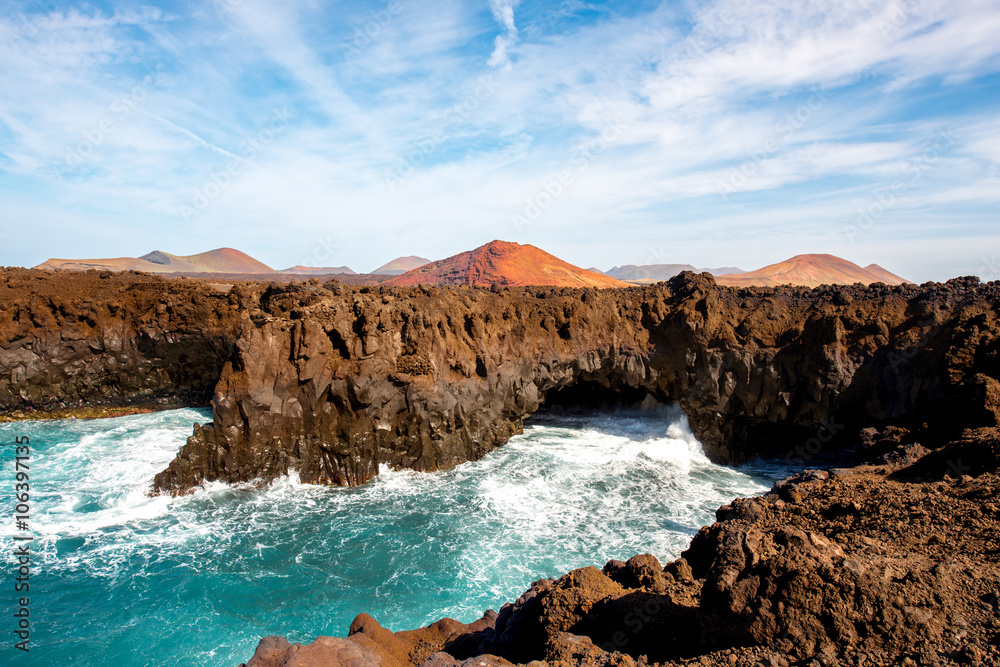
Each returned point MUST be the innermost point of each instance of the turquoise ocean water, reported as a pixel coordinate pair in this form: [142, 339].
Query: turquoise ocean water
[120, 578]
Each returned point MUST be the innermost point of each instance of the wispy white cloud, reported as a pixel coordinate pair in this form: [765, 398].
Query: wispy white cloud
[503, 12]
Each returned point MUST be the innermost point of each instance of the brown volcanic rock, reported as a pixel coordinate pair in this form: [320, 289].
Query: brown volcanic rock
[368, 644]
[503, 263]
[330, 382]
[104, 339]
[331, 386]
[810, 271]
[416, 379]
[861, 563]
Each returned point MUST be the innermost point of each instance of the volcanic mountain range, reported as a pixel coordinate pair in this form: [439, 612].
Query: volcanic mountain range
[499, 263]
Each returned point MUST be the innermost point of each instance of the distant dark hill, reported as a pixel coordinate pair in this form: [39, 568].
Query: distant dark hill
[652, 273]
[318, 270]
[648, 272]
[401, 265]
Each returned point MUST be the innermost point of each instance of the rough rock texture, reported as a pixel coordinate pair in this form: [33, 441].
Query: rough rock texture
[867, 566]
[330, 384]
[368, 644]
[329, 381]
[105, 339]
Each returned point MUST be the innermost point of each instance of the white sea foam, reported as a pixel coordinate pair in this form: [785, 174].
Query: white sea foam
[575, 489]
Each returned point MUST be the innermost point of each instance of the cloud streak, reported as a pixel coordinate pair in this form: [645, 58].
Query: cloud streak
[503, 12]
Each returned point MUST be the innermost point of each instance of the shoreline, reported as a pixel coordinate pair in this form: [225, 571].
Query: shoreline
[90, 412]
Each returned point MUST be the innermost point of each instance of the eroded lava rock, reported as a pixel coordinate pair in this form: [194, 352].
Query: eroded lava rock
[861, 567]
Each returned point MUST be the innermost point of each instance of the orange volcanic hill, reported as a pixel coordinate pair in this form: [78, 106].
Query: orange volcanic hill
[221, 260]
[505, 263]
[811, 271]
[885, 276]
[401, 265]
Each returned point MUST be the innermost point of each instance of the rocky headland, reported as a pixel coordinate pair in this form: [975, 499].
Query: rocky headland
[330, 383]
[891, 562]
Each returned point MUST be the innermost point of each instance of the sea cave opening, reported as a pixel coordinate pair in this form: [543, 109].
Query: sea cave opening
[624, 410]
[590, 395]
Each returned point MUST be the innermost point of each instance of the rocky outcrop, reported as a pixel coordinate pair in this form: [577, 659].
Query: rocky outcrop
[330, 386]
[892, 563]
[330, 383]
[866, 566]
[105, 339]
[368, 644]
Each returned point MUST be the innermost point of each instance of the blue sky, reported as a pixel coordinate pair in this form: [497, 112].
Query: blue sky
[331, 133]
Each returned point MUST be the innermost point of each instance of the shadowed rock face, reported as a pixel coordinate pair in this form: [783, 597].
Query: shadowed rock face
[330, 385]
[105, 339]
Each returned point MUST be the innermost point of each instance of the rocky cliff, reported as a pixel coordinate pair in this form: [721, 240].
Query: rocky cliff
[330, 383]
[70, 341]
